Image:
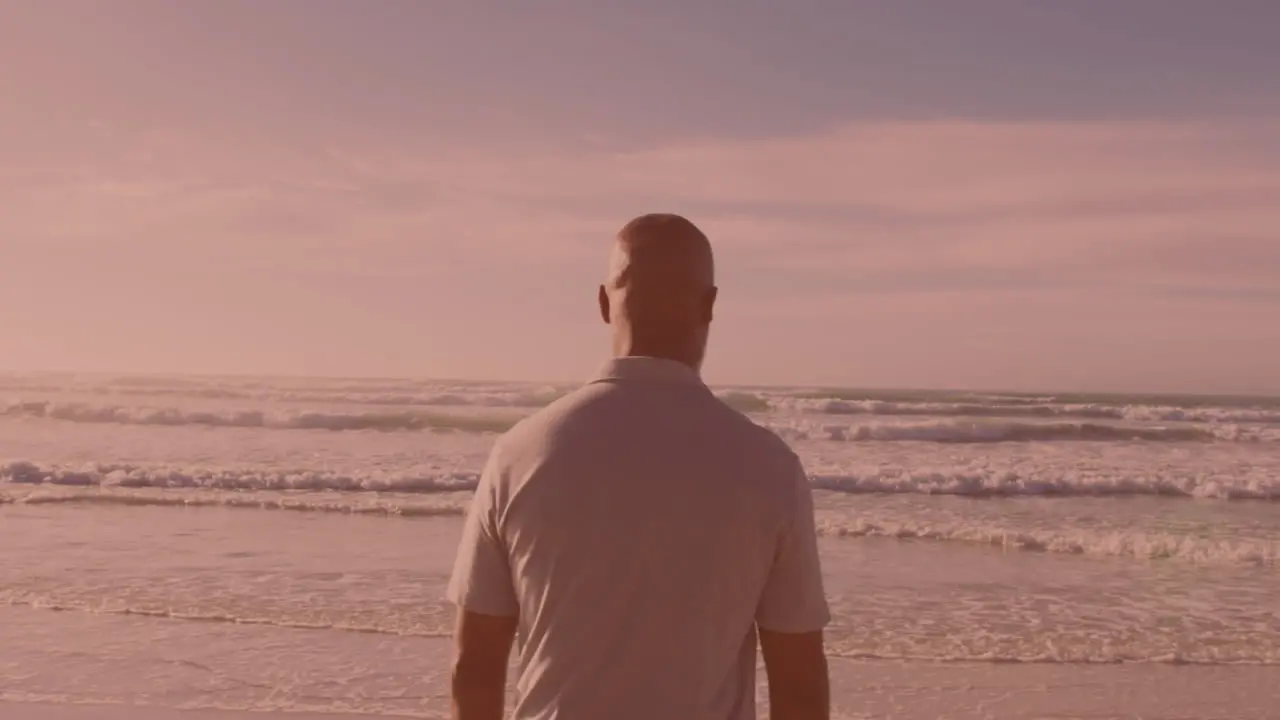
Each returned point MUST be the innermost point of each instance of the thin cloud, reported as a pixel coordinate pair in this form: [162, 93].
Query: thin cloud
[966, 198]
[1133, 254]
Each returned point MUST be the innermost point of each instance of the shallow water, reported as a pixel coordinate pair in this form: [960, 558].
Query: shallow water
[161, 513]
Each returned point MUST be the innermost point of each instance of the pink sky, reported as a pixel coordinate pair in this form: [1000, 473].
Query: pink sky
[412, 189]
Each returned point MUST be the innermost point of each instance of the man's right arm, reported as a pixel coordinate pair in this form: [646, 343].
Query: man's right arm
[488, 607]
[797, 670]
[791, 616]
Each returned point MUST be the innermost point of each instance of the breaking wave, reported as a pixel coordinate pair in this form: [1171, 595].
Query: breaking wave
[280, 420]
[356, 392]
[1004, 409]
[1127, 544]
[388, 394]
[140, 476]
[937, 431]
[337, 420]
[881, 481]
[294, 503]
[997, 484]
[962, 431]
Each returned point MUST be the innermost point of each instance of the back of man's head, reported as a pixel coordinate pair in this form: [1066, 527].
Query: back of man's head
[660, 291]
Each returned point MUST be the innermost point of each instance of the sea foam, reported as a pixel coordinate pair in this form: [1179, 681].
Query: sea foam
[988, 483]
[442, 419]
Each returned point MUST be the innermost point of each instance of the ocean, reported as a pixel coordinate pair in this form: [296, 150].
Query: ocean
[275, 544]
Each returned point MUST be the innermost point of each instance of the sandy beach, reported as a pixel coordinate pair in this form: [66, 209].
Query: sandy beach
[218, 653]
[901, 691]
[37, 711]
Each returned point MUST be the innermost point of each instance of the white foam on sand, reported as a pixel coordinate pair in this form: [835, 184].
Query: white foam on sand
[322, 614]
[405, 678]
[52, 711]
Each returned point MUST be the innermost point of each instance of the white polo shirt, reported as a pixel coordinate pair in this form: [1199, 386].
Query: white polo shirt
[641, 529]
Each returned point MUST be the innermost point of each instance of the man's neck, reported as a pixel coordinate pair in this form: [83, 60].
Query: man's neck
[687, 363]
[626, 349]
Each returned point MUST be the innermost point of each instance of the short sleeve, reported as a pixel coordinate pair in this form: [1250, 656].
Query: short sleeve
[794, 600]
[481, 580]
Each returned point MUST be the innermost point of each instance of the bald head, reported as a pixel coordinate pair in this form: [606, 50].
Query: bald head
[662, 250]
[660, 289]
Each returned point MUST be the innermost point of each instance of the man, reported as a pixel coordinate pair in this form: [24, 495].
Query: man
[637, 533]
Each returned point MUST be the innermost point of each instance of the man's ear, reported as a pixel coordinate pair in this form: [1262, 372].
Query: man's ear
[603, 299]
[709, 305]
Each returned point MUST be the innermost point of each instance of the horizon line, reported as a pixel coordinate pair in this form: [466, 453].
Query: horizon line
[1264, 394]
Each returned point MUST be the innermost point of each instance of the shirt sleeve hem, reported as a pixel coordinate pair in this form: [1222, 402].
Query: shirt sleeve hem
[471, 603]
[807, 625]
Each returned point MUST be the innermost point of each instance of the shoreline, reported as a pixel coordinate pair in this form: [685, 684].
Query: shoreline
[103, 711]
[894, 690]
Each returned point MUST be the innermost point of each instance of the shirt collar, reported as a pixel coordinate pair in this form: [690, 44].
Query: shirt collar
[648, 369]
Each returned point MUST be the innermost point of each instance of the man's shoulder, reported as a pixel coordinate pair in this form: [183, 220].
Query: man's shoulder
[533, 428]
[763, 443]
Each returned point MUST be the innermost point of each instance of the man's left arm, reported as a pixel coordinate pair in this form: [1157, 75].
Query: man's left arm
[488, 610]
